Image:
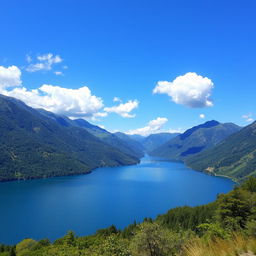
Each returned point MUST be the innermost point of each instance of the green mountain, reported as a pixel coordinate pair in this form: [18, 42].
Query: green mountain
[34, 145]
[124, 144]
[195, 140]
[234, 157]
[154, 141]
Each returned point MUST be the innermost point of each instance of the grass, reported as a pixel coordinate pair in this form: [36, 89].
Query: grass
[237, 245]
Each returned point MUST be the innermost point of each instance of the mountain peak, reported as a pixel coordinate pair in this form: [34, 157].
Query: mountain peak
[207, 124]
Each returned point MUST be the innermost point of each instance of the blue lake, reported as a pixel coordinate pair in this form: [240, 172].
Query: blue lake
[50, 207]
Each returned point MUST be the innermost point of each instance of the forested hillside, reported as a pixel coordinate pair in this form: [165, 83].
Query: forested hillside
[234, 157]
[124, 144]
[33, 145]
[195, 140]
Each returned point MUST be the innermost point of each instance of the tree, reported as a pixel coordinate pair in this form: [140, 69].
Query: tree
[25, 246]
[211, 231]
[70, 238]
[152, 240]
[234, 209]
[250, 184]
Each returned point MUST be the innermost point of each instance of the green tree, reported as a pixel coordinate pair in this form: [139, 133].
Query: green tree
[151, 240]
[69, 238]
[210, 231]
[234, 209]
[250, 184]
[112, 245]
[25, 246]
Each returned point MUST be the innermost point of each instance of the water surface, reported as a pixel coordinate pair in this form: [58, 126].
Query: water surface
[49, 207]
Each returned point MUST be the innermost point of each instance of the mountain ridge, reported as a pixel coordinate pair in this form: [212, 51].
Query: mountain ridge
[195, 140]
[33, 145]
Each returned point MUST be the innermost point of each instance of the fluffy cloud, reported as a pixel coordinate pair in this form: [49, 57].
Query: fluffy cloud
[248, 117]
[70, 102]
[202, 116]
[153, 126]
[44, 62]
[9, 77]
[123, 109]
[191, 90]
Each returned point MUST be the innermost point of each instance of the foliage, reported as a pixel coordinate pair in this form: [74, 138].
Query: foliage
[25, 246]
[187, 217]
[234, 209]
[211, 231]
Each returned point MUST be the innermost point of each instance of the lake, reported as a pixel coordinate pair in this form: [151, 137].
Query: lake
[50, 207]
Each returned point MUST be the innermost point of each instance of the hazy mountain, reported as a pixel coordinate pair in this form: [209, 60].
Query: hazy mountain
[235, 156]
[154, 141]
[134, 144]
[34, 145]
[137, 137]
[195, 140]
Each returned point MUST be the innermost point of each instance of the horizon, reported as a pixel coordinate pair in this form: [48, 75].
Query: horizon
[128, 72]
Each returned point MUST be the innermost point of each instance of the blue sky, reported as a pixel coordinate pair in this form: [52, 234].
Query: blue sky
[123, 49]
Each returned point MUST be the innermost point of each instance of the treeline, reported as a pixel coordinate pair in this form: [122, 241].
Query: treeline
[225, 227]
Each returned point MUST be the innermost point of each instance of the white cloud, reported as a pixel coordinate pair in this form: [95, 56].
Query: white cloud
[191, 90]
[154, 126]
[202, 116]
[123, 109]
[70, 102]
[116, 99]
[58, 73]
[248, 117]
[179, 130]
[45, 62]
[9, 77]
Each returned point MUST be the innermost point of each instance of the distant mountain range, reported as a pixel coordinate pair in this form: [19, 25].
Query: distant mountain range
[154, 141]
[234, 157]
[146, 143]
[195, 140]
[35, 143]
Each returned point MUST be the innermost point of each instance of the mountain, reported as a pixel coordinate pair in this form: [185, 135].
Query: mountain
[119, 142]
[34, 145]
[234, 157]
[137, 137]
[195, 140]
[135, 145]
[154, 141]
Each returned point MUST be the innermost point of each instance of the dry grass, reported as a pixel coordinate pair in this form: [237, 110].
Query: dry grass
[238, 245]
